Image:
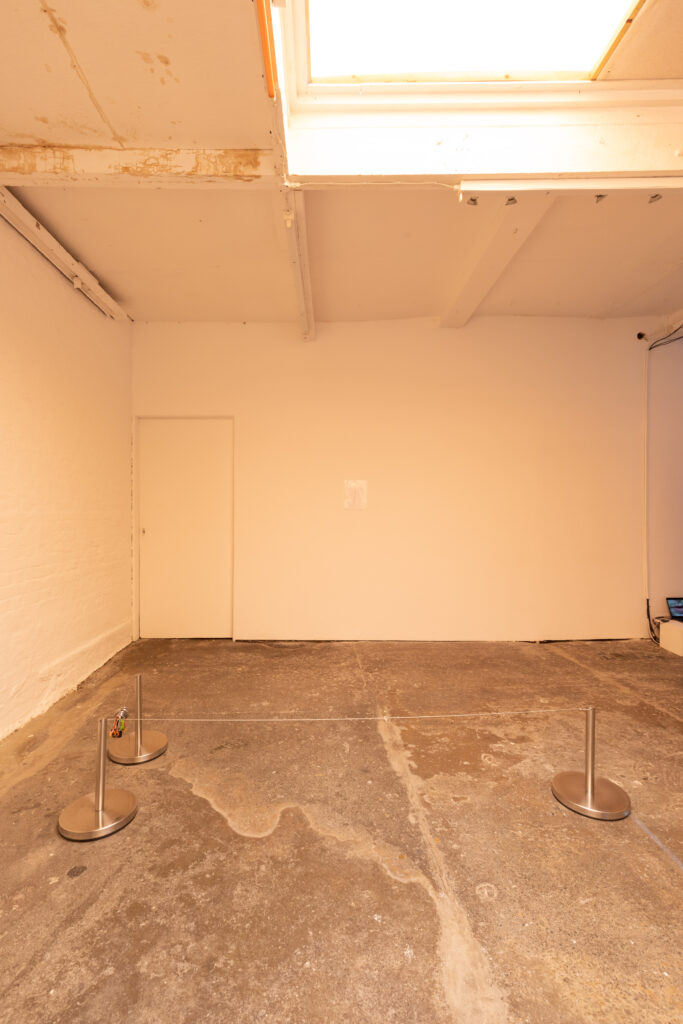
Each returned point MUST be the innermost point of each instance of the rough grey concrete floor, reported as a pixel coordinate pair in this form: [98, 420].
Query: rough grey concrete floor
[313, 872]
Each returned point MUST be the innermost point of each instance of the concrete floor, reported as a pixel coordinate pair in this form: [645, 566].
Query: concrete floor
[315, 872]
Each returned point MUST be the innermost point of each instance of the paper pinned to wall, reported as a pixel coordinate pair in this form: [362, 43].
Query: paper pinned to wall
[355, 495]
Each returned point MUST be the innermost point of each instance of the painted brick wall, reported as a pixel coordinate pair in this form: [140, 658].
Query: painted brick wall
[65, 521]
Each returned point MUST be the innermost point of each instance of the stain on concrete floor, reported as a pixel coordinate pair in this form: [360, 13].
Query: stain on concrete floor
[371, 870]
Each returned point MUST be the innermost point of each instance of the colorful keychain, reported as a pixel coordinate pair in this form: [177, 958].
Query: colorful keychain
[119, 723]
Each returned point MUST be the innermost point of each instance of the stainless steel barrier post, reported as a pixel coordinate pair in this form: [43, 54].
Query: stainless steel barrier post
[93, 817]
[583, 793]
[143, 745]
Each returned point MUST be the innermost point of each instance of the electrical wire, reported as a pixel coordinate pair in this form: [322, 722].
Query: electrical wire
[664, 342]
[668, 339]
[653, 634]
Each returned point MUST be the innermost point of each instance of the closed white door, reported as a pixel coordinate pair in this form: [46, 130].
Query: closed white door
[186, 527]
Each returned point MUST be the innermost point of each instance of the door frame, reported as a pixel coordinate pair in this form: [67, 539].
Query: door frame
[135, 508]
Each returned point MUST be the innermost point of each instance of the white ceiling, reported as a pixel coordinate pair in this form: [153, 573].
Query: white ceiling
[653, 46]
[375, 253]
[622, 256]
[388, 253]
[177, 254]
[149, 73]
[169, 74]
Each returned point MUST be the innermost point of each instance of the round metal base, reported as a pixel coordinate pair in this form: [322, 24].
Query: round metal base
[609, 800]
[80, 820]
[124, 749]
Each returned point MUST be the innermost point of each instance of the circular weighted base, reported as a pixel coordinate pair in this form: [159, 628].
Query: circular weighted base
[124, 749]
[80, 820]
[609, 800]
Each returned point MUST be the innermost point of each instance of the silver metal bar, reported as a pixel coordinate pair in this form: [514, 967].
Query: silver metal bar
[138, 719]
[583, 793]
[590, 755]
[138, 746]
[109, 810]
[101, 764]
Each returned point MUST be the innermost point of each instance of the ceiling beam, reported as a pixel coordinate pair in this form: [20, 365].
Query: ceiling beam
[69, 165]
[294, 212]
[674, 319]
[47, 245]
[494, 144]
[297, 241]
[495, 248]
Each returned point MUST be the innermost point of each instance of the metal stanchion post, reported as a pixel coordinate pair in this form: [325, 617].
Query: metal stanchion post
[590, 755]
[144, 745]
[138, 716]
[101, 776]
[93, 817]
[583, 793]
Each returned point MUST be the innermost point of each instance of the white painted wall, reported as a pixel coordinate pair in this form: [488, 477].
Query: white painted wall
[504, 467]
[65, 519]
[665, 475]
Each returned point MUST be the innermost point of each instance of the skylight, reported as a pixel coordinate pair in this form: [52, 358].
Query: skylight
[462, 40]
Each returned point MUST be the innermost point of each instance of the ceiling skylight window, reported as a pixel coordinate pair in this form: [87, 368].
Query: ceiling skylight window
[463, 40]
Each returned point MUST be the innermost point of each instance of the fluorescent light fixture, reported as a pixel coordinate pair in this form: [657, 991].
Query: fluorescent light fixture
[463, 40]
